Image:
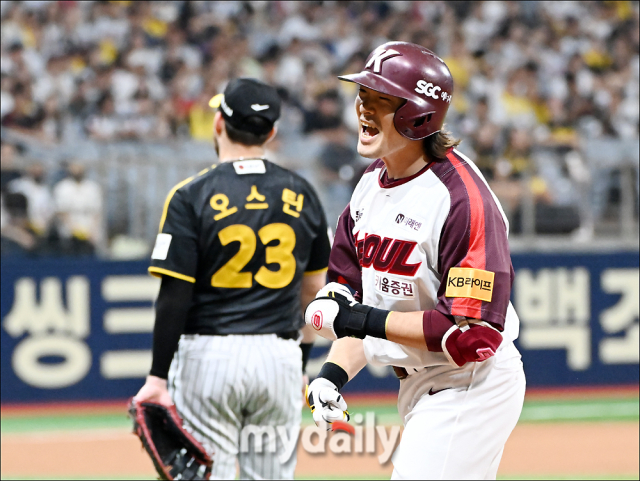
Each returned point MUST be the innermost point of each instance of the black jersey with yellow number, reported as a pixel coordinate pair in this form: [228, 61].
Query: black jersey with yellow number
[245, 233]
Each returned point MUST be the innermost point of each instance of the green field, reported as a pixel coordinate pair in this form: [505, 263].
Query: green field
[533, 411]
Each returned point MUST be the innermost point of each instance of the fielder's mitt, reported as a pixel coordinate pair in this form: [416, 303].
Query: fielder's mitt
[174, 452]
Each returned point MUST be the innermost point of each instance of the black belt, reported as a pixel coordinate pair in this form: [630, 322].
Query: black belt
[287, 335]
[293, 335]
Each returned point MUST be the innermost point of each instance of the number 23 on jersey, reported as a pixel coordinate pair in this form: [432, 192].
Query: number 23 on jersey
[230, 275]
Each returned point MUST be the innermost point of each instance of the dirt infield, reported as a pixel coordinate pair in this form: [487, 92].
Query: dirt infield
[544, 449]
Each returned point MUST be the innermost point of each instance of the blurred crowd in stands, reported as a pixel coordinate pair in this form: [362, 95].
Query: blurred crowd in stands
[533, 80]
[39, 220]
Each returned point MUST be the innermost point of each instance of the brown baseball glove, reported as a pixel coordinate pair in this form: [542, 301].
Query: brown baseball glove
[174, 452]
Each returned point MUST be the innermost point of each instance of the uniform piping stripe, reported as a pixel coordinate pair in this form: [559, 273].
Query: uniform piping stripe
[157, 271]
[319, 271]
[476, 255]
[204, 171]
[168, 199]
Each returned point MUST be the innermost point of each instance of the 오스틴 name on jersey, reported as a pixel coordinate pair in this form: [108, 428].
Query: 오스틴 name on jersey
[292, 203]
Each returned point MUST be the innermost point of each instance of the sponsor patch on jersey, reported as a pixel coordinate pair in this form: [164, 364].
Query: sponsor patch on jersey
[161, 249]
[408, 223]
[249, 167]
[471, 283]
[393, 286]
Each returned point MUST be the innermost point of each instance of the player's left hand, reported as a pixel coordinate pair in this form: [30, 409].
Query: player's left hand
[326, 403]
[334, 313]
[154, 390]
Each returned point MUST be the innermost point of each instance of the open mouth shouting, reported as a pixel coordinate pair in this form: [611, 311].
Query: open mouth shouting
[367, 131]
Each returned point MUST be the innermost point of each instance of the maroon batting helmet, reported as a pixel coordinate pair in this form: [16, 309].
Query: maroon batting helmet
[416, 74]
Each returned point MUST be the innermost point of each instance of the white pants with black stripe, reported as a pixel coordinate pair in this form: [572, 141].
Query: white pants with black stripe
[240, 396]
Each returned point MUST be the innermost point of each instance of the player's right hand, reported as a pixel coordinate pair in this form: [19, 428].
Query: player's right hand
[323, 312]
[333, 288]
[154, 390]
[326, 403]
[335, 314]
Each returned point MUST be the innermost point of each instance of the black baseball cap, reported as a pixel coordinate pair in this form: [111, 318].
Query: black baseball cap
[247, 97]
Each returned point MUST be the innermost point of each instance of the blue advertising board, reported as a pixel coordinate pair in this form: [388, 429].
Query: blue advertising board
[80, 329]
[75, 329]
[578, 318]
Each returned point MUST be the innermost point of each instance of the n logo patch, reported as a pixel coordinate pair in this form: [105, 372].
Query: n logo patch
[379, 57]
[470, 283]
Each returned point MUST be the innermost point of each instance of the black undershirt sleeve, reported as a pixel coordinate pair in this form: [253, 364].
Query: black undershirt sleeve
[172, 306]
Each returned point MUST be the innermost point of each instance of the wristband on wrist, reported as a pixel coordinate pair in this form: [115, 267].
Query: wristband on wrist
[334, 373]
[377, 323]
[305, 347]
[365, 321]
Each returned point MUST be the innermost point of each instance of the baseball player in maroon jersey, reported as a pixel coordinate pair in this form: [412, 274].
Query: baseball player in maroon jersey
[422, 247]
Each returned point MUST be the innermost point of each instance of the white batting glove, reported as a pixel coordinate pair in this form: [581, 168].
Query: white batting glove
[321, 313]
[326, 403]
[336, 288]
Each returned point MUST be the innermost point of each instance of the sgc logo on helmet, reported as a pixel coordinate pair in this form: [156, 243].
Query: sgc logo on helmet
[430, 90]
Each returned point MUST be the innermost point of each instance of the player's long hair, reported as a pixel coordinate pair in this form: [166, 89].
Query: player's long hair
[436, 146]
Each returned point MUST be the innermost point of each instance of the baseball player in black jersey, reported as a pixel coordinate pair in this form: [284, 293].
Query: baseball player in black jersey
[242, 247]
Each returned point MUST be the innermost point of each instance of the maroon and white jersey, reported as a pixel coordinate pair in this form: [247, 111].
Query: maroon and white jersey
[435, 240]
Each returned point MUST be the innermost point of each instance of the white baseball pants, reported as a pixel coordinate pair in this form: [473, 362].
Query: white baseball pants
[235, 394]
[460, 429]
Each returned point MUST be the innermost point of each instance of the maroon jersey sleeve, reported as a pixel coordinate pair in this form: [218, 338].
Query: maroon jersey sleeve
[474, 257]
[343, 261]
